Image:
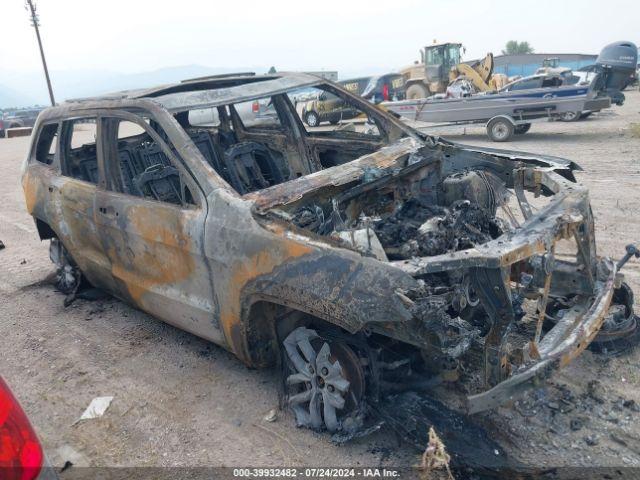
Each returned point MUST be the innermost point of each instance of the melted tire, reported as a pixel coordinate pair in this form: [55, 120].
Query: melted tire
[68, 275]
[618, 342]
[323, 380]
[619, 337]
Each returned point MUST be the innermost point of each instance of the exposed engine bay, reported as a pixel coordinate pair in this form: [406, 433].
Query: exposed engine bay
[458, 214]
[498, 286]
[391, 222]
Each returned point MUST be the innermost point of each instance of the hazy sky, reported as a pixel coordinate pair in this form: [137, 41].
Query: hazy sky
[138, 35]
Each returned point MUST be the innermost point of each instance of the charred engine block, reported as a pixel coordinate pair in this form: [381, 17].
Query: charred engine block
[456, 213]
[463, 216]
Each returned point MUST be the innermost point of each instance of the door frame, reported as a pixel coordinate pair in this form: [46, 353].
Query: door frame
[156, 287]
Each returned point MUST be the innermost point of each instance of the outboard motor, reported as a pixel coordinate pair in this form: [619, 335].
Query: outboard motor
[617, 64]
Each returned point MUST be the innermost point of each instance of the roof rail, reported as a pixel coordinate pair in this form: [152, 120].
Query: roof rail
[222, 75]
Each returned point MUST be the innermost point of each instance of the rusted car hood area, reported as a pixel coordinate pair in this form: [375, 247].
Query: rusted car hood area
[463, 224]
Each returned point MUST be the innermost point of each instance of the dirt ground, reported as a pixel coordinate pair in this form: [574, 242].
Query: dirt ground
[180, 401]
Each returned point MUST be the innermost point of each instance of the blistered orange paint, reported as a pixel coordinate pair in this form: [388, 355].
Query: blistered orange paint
[165, 257]
[259, 264]
[30, 187]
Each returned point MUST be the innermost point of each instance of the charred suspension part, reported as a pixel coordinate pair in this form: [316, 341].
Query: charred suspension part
[491, 286]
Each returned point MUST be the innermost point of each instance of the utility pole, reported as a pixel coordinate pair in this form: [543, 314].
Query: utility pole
[35, 23]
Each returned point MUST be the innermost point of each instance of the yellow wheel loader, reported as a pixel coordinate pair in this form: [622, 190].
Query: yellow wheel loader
[440, 65]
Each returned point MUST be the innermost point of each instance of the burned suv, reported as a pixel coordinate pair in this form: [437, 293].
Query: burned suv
[358, 259]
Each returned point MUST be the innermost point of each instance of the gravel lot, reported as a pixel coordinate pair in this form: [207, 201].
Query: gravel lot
[181, 401]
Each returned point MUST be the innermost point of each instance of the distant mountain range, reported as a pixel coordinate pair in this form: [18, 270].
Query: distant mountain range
[12, 98]
[22, 89]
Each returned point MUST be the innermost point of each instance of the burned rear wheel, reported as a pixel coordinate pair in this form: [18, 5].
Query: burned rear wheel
[324, 379]
[68, 276]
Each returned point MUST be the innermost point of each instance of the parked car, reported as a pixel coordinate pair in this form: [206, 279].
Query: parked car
[382, 88]
[533, 82]
[355, 85]
[21, 453]
[565, 84]
[586, 74]
[329, 108]
[16, 118]
[326, 107]
[360, 260]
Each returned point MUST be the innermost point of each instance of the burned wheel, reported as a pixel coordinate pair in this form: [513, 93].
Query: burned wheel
[324, 380]
[68, 276]
[620, 330]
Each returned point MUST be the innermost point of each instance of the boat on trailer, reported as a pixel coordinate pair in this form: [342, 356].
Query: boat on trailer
[505, 113]
[511, 111]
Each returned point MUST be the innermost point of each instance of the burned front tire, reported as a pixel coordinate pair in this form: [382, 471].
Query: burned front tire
[620, 330]
[324, 379]
[68, 275]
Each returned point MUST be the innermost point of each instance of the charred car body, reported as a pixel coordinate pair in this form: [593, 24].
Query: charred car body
[360, 259]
